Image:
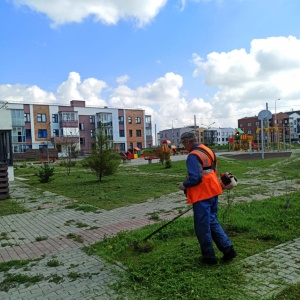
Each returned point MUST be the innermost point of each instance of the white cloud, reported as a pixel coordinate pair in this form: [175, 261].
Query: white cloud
[24, 93]
[122, 79]
[246, 81]
[243, 80]
[108, 12]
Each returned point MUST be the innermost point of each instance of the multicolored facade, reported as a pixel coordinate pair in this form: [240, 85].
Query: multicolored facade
[38, 126]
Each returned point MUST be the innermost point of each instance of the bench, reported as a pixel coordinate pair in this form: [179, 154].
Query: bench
[184, 152]
[150, 156]
[46, 159]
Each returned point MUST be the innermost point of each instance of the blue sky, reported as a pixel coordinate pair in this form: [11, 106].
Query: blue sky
[218, 60]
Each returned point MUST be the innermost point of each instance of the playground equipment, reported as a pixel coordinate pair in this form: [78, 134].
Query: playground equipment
[275, 139]
[242, 142]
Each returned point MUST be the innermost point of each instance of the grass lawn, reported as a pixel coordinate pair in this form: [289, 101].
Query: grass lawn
[135, 184]
[171, 270]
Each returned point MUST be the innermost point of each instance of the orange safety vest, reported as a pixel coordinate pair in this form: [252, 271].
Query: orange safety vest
[210, 185]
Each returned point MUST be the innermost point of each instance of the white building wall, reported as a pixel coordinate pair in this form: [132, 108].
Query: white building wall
[294, 125]
[6, 124]
[223, 135]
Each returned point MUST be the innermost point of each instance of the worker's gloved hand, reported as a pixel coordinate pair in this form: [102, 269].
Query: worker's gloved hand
[181, 186]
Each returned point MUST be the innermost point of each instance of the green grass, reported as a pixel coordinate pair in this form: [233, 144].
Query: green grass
[136, 184]
[9, 207]
[127, 187]
[172, 269]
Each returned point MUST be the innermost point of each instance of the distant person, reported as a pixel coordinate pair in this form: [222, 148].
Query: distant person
[202, 188]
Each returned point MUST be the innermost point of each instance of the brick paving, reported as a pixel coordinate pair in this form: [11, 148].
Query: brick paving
[80, 276]
[269, 272]
[42, 234]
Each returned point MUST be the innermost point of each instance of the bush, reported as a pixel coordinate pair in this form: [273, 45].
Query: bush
[168, 164]
[45, 173]
[66, 163]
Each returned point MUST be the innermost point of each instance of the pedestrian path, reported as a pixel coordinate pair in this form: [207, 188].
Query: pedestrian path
[51, 237]
[42, 234]
[269, 272]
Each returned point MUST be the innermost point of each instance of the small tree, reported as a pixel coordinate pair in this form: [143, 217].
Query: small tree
[69, 149]
[103, 161]
[45, 173]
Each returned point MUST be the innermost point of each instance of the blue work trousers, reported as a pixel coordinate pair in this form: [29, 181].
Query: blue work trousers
[208, 229]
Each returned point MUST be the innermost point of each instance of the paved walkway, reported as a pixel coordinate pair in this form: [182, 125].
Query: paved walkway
[64, 271]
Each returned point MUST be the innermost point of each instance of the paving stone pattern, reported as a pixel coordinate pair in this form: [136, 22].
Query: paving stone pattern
[80, 276]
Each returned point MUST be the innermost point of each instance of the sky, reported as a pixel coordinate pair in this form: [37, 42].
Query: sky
[182, 61]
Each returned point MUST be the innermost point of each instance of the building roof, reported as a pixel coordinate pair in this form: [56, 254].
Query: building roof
[293, 112]
[239, 130]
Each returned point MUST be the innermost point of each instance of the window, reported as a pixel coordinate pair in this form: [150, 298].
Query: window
[28, 133]
[55, 118]
[121, 120]
[249, 132]
[249, 124]
[138, 133]
[68, 116]
[129, 120]
[137, 120]
[27, 118]
[17, 117]
[130, 133]
[82, 141]
[81, 126]
[92, 133]
[148, 121]
[42, 133]
[18, 135]
[41, 118]
[92, 119]
[55, 132]
[104, 119]
[122, 146]
[121, 133]
[139, 145]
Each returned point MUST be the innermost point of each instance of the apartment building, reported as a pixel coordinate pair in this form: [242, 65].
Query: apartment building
[287, 122]
[209, 136]
[173, 134]
[37, 126]
[294, 123]
[223, 135]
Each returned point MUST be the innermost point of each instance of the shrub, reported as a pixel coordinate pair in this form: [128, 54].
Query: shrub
[45, 173]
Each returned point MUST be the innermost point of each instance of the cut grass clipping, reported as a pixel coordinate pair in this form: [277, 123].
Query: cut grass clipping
[147, 246]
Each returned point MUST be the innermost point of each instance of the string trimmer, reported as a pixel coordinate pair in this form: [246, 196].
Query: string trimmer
[147, 247]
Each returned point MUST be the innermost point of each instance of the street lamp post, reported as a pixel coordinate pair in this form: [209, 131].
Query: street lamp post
[173, 131]
[275, 111]
[276, 120]
[208, 127]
